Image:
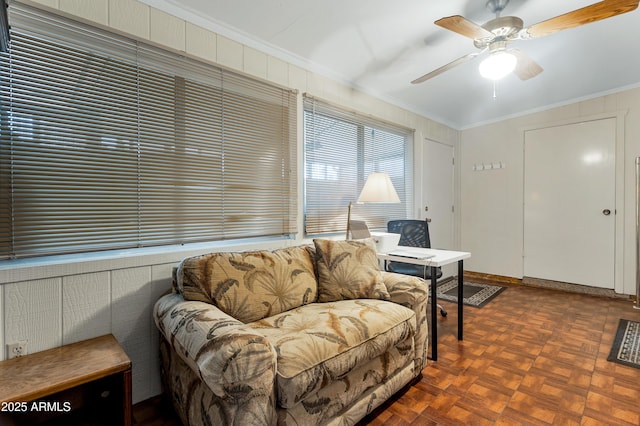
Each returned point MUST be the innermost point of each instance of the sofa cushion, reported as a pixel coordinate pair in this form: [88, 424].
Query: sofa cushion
[251, 285]
[320, 343]
[348, 270]
[367, 385]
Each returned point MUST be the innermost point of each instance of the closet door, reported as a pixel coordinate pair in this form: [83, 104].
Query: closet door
[569, 203]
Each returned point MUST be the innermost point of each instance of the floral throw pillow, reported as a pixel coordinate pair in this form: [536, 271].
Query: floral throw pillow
[348, 270]
[250, 285]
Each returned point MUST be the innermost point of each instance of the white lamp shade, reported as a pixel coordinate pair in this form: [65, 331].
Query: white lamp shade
[378, 189]
[498, 65]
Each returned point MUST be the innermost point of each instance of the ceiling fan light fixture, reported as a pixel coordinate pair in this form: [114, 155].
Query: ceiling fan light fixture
[497, 65]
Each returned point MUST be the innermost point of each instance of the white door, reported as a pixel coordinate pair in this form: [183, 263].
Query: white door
[437, 195]
[569, 203]
[437, 184]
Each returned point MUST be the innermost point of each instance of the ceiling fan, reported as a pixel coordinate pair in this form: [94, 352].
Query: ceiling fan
[495, 36]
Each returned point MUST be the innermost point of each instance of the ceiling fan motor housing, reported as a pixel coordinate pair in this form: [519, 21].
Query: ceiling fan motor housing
[505, 28]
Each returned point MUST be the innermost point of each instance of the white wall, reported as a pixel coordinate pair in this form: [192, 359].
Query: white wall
[492, 201]
[60, 300]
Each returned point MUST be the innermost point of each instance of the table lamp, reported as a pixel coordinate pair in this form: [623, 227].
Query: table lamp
[377, 189]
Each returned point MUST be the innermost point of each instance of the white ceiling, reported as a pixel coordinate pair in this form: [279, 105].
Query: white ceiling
[380, 46]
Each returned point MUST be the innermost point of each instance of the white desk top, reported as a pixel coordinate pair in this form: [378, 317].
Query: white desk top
[430, 257]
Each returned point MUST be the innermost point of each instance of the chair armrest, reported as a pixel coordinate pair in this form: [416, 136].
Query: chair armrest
[413, 293]
[234, 361]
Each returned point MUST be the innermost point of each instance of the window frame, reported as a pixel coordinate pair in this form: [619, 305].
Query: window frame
[369, 155]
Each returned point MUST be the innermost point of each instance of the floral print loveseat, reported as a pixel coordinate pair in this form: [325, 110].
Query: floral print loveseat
[304, 335]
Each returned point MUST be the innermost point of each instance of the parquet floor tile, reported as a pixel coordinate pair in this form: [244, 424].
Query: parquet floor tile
[531, 356]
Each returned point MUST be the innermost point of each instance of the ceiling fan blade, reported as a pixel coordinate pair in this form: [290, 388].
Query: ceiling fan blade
[526, 68]
[446, 67]
[595, 12]
[463, 26]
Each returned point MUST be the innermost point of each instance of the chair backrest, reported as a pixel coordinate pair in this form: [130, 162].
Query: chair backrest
[413, 232]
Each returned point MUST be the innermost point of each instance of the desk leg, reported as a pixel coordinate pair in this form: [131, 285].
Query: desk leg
[434, 315]
[460, 298]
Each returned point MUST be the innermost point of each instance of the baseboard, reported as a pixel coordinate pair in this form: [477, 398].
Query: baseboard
[540, 283]
[490, 278]
[570, 287]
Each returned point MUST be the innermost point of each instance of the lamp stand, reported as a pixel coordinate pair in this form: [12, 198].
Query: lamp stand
[349, 220]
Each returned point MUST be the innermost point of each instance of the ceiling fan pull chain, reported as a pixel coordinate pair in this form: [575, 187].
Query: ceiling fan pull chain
[495, 82]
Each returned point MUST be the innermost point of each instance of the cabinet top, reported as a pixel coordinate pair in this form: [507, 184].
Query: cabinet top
[47, 372]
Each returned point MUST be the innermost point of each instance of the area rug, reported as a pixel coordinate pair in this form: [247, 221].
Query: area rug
[473, 294]
[626, 346]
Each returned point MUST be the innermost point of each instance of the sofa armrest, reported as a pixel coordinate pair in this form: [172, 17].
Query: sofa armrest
[413, 293]
[406, 290]
[233, 361]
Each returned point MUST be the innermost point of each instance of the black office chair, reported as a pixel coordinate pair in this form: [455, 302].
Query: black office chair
[413, 233]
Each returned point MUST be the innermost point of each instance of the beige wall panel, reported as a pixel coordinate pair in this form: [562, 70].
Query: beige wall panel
[255, 62]
[298, 78]
[335, 91]
[277, 71]
[315, 84]
[230, 53]
[130, 294]
[34, 312]
[86, 306]
[161, 278]
[94, 10]
[627, 100]
[129, 16]
[592, 106]
[145, 375]
[167, 30]
[556, 114]
[201, 42]
[51, 3]
[131, 323]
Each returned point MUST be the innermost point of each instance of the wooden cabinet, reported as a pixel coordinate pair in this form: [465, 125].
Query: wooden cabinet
[87, 382]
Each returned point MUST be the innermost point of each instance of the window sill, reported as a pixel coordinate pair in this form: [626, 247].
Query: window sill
[73, 264]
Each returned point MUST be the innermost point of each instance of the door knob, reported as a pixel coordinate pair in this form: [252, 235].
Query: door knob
[606, 212]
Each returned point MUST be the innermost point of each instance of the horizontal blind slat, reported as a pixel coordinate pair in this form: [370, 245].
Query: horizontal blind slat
[109, 143]
[341, 149]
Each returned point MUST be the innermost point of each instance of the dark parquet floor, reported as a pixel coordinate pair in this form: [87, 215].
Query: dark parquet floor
[531, 356]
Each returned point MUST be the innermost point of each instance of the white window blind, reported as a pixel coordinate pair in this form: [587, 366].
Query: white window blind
[341, 149]
[110, 143]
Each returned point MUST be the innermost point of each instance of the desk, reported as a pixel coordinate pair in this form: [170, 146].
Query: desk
[439, 258]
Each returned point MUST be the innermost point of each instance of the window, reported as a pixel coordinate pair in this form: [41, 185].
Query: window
[110, 143]
[341, 149]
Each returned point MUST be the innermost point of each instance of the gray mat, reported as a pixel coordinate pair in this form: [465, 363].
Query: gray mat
[473, 294]
[626, 346]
